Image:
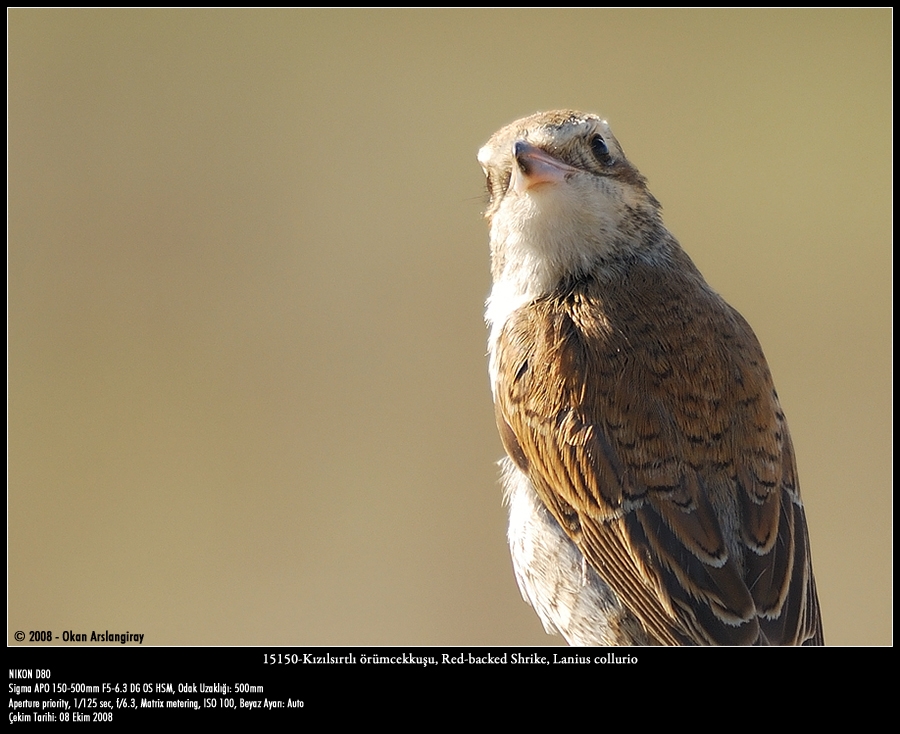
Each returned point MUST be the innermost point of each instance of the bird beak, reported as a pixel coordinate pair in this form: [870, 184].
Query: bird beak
[535, 166]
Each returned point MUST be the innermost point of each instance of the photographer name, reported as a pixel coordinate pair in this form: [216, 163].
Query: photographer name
[122, 638]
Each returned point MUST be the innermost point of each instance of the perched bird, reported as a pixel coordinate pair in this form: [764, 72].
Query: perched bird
[651, 481]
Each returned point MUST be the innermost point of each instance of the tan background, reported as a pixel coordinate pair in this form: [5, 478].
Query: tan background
[248, 400]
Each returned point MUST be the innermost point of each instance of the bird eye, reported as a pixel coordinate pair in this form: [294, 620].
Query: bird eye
[495, 184]
[599, 149]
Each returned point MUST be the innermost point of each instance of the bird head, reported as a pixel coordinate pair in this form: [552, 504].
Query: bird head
[562, 196]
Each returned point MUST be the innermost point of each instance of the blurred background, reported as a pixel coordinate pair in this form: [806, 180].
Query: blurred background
[248, 400]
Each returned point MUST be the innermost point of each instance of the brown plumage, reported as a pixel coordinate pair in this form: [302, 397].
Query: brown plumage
[651, 478]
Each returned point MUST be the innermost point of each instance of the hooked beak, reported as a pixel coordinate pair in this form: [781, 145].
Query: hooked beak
[535, 166]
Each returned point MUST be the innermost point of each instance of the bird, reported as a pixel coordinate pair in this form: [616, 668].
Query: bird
[649, 474]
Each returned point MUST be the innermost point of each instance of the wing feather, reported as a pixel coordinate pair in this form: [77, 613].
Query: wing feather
[654, 437]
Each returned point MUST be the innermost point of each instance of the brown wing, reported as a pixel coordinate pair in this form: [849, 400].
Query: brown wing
[651, 430]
